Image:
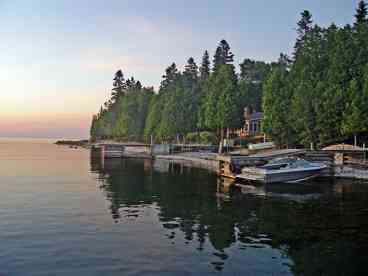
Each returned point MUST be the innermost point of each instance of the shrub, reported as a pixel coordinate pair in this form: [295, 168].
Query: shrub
[207, 137]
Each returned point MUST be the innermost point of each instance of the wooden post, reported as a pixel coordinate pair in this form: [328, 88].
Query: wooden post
[221, 141]
[364, 153]
[227, 139]
[102, 152]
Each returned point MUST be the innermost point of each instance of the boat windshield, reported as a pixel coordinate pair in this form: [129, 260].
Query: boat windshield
[277, 161]
[289, 162]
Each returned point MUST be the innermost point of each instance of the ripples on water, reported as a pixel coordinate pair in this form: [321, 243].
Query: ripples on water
[65, 213]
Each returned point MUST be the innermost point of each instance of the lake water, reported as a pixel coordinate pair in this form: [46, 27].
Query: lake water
[64, 213]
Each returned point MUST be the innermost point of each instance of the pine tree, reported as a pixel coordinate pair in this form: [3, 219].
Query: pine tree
[304, 27]
[153, 118]
[191, 70]
[329, 112]
[138, 85]
[118, 85]
[304, 114]
[276, 107]
[352, 116]
[220, 105]
[361, 13]
[171, 75]
[205, 67]
[356, 111]
[254, 71]
[222, 55]
[94, 128]
[217, 59]
[284, 62]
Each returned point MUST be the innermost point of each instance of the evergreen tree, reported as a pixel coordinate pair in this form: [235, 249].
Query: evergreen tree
[356, 112]
[153, 118]
[319, 96]
[304, 114]
[191, 71]
[94, 127]
[220, 107]
[205, 67]
[171, 75]
[222, 55]
[329, 112]
[360, 34]
[254, 71]
[276, 107]
[175, 118]
[361, 13]
[118, 85]
[284, 62]
[304, 27]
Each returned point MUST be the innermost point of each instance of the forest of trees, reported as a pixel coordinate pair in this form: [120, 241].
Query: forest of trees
[201, 101]
[322, 97]
[318, 95]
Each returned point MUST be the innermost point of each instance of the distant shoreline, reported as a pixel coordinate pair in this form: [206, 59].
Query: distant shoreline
[75, 143]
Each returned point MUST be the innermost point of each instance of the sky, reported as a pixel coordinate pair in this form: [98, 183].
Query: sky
[58, 57]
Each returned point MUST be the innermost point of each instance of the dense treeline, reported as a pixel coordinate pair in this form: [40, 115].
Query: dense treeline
[202, 99]
[323, 96]
[319, 95]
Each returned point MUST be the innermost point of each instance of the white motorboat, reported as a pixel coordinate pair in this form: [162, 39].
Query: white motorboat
[283, 170]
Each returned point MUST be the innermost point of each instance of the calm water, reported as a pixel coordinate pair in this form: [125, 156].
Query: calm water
[64, 213]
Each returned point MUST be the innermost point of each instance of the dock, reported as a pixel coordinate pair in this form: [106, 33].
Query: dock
[230, 165]
[340, 163]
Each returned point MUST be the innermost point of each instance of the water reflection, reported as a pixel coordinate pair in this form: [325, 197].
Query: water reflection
[319, 228]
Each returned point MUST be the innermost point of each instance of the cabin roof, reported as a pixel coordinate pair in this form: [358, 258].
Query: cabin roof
[255, 116]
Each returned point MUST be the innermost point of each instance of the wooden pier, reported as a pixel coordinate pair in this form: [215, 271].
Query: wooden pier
[118, 150]
[351, 164]
[230, 165]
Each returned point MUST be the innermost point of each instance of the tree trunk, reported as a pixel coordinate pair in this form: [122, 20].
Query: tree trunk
[221, 141]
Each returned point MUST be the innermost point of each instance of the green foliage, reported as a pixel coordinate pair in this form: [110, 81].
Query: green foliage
[222, 55]
[220, 108]
[204, 137]
[321, 97]
[153, 117]
[208, 138]
[361, 13]
[303, 29]
[132, 113]
[355, 116]
[276, 106]
[254, 71]
[204, 70]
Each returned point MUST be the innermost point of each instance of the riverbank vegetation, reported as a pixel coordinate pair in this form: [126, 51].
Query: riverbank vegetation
[318, 95]
[200, 100]
[323, 96]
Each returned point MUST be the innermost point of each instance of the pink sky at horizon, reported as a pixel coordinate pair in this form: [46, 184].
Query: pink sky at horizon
[58, 58]
[72, 126]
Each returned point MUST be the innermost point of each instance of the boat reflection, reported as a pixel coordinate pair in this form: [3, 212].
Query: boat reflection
[301, 192]
[314, 228]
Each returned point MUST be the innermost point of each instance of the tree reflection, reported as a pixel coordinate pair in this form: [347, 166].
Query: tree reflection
[322, 227]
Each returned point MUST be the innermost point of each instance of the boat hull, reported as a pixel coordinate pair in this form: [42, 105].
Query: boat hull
[275, 176]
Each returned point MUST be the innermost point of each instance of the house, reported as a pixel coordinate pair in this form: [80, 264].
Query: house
[252, 123]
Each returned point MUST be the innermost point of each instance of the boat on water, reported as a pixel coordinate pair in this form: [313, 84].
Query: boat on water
[289, 170]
